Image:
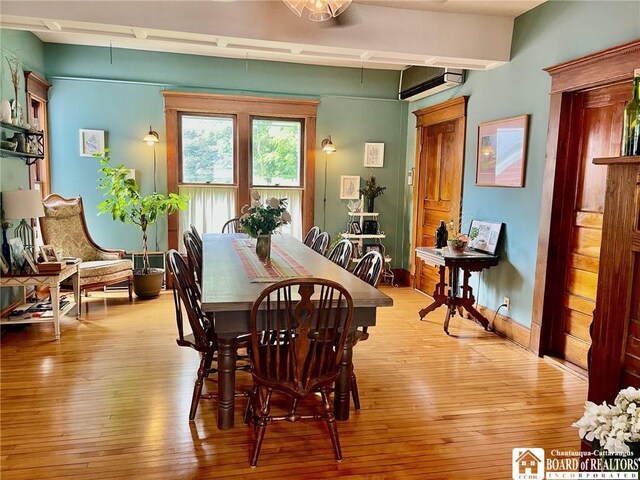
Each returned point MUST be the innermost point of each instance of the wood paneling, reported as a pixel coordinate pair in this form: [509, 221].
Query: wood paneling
[111, 401]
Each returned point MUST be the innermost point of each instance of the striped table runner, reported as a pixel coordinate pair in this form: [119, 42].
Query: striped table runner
[282, 264]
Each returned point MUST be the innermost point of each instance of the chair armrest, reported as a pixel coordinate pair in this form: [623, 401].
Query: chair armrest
[109, 254]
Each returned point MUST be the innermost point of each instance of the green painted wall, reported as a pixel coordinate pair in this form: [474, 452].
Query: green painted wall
[124, 98]
[551, 33]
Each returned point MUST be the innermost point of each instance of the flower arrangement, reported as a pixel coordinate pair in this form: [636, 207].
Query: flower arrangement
[613, 428]
[259, 219]
[459, 241]
[371, 188]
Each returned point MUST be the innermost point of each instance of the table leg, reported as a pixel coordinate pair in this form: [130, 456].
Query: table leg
[447, 318]
[439, 296]
[343, 383]
[228, 348]
[55, 305]
[75, 281]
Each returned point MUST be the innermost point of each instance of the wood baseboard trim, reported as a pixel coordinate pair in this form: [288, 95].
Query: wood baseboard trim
[507, 328]
[567, 367]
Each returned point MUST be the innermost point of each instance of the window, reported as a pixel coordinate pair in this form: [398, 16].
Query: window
[276, 152]
[207, 150]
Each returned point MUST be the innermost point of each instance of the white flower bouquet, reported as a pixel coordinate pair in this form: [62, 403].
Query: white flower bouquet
[258, 219]
[613, 428]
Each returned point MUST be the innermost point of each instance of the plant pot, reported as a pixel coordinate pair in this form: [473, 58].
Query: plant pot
[148, 285]
[456, 247]
[370, 204]
[263, 248]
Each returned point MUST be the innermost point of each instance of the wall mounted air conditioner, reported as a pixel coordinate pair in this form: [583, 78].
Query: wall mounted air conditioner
[420, 82]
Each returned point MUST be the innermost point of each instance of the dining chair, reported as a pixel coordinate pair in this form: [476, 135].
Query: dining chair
[368, 270]
[342, 253]
[232, 226]
[305, 357]
[196, 235]
[311, 236]
[194, 256]
[203, 338]
[321, 243]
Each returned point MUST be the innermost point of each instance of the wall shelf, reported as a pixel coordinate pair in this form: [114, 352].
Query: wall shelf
[29, 158]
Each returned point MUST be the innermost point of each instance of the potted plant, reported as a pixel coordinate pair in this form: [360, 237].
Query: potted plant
[125, 203]
[371, 190]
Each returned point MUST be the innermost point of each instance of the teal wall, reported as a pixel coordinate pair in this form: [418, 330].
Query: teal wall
[124, 99]
[551, 33]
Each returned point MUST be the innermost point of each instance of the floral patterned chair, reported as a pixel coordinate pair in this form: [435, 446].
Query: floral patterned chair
[64, 226]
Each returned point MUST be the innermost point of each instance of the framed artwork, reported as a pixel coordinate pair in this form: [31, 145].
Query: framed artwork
[370, 227]
[4, 266]
[17, 247]
[502, 151]
[374, 155]
[349, 187]
[91, 142]
[355, 228]
[376, 247]
[49, 253]
[484, 236]
[29, 259]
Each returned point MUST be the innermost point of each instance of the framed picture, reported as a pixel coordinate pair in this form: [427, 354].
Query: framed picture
[502, 150]
[4, 266]
[376, 247]
[49, 253]
[29, 259]
[484, 236]
[370, 227]
[374, 155]
[349, 187]
[91, 142]
[17, 248]
[355, 228]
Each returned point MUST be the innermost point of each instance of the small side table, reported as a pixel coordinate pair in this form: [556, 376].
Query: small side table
[468, 262]
[52, 280]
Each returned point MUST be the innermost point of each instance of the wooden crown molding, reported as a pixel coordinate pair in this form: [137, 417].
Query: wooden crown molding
[36, 85]
[442, 112]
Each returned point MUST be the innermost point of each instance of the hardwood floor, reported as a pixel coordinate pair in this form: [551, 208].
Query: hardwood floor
[111, 400]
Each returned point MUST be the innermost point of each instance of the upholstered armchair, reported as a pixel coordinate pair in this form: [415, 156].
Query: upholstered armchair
[64, 226]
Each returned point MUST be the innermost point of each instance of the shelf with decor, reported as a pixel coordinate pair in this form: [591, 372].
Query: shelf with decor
[32, 147]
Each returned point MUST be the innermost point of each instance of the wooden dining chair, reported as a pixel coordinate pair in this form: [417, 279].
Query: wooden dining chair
[321, 243]
[203, 338]
[194, 256]
[342, 253]
[311, 236]
[368, 270]
[232, 226]
[196, 235]
[305, 358]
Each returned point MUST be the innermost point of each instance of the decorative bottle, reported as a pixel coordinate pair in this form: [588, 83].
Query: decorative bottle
[442, 235]
[631, 130]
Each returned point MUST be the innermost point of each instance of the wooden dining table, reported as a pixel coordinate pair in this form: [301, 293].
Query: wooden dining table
[228, 294]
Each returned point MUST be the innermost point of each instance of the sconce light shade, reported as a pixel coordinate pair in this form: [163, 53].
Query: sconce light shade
[151, 137]
[20, 204]
[328, 146]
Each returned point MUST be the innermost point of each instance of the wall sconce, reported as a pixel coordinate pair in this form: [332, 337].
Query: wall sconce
[327, 146]
[151, 139]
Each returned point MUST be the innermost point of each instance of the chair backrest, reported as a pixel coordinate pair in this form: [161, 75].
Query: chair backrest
[297, 342]
[342, 253]
[196, 235]
[232, 226]
[65, 227]
[194, 256]
[185, 292]
[369, 268]
[311, 236]
[321, 243]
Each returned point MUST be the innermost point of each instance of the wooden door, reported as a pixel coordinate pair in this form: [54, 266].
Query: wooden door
[597, 122]
[438, 194]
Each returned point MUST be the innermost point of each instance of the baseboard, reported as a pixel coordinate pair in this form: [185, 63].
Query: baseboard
[506, 327]
[401, 277]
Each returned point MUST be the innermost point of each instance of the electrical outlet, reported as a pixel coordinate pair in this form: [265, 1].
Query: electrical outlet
[507, 302]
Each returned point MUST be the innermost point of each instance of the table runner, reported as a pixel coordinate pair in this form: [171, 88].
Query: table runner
[282, 264]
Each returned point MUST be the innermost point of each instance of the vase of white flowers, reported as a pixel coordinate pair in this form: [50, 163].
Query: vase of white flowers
[260, 220]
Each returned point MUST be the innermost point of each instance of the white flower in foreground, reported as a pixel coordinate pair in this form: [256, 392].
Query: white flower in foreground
[255, 195]
[274, 202]
[255, 203]
[286, 217]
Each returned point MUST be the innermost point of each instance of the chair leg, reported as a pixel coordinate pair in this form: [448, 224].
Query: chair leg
[130, 286]
[331, 425]
[197, 388]
[250, 410]
[261, 427]
[354, 390]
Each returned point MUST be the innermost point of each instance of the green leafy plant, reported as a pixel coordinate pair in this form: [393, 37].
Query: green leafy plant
[125, 203]
[371, 188]
[259, 219]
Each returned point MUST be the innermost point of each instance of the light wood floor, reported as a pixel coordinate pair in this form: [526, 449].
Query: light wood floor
[111, 400]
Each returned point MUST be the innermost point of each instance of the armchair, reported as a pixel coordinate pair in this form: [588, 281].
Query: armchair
[65, 227]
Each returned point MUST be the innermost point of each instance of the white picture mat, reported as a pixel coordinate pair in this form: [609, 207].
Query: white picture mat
[484, 236]
[374, 155]
[91, 142]
[349, 187]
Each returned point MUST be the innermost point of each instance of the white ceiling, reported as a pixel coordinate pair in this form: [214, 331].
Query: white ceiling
[373, 34]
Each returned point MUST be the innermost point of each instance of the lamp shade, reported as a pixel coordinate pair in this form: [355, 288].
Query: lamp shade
[328, 146]
[20, 204]
[151, 137]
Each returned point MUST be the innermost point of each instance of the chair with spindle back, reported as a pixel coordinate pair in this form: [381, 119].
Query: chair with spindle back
[342, 253]
[203, 338]
[368, 270]
[311, 236]
[306, 357]
[321, 243]
[196, 235]
[232, 226]
[194, 256]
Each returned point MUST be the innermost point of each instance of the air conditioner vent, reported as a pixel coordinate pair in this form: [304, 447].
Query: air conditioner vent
[420, 82]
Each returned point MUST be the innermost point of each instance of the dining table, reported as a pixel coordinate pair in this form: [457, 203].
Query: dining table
[232, 279]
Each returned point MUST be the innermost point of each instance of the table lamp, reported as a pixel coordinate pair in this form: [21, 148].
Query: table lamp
[22, 205]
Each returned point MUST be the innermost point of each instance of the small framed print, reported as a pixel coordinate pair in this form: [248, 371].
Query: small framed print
[355, 228]
[370, 227]
[49, 253]
[29, 259]
[376, 247]
[16, 251]
[91, 142]
[349, 187]
[374, 155]
[484, 236]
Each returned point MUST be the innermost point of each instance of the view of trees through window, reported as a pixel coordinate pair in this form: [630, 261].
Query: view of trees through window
[276, 152]
[207, 150]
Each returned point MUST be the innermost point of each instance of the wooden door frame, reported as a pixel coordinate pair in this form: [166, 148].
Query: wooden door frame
[608, 67]
[454, 109]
